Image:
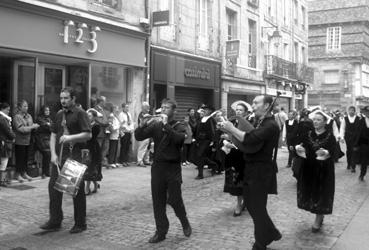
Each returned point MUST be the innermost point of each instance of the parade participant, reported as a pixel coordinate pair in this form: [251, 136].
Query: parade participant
[23, 127]
[69, 133]
[316, 181]
[103, 137]
[93, 173]
[166, 173]
[234, 165]
[362, 143]
[349, 132]
[7, 137]
[289, 135]
[260, 168]
[205, 139]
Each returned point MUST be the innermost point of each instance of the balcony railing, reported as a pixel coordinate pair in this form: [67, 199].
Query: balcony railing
[279, 67]
[252, 61]
[305, 73]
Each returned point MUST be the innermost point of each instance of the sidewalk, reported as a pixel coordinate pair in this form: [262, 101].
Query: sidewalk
[356, 235]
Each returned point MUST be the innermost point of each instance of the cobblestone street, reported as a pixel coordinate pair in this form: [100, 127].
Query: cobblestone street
[120, 216]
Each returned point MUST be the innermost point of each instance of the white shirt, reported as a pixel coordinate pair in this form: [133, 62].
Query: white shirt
[114, 131]
[123, 118]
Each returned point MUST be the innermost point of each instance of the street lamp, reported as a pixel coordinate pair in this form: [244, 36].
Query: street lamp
[277, 36]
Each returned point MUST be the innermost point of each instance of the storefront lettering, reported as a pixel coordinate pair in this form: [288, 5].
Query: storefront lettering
[78, 36]
[197, 73]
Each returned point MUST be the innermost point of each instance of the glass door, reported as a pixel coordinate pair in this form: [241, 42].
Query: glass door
[24, 84]
[52, 80]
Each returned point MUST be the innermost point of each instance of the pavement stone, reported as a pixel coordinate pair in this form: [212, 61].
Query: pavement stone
[120, 215]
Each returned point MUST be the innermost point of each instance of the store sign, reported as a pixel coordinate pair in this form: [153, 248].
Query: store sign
[284, 93]
[160, 18]
[76, 33]
[198, 73]
[232, 48]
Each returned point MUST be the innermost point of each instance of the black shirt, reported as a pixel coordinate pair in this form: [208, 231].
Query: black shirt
[77, 122]
[168, 140]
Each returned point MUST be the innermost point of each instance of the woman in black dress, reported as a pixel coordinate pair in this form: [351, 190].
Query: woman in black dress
[361, 147]
[316, 180]
[93, 172]
[234, 166]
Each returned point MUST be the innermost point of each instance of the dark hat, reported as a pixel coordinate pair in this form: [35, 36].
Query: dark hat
[365, 109]
[204, 106]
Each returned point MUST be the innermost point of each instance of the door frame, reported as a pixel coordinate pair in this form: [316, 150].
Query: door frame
[40, 89]
[16, 64]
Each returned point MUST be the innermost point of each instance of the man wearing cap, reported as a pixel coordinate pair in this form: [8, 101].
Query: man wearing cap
[260, 171]
[349, 131]
[362, 143]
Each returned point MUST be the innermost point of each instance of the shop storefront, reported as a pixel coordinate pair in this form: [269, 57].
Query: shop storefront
[239, 89]
[43, 50]
[191, 81]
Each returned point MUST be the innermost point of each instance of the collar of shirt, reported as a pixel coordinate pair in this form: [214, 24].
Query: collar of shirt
[290, 122]
[70, 109]
[351, 119]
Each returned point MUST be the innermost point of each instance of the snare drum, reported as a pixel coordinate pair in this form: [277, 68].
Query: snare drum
[70, 177]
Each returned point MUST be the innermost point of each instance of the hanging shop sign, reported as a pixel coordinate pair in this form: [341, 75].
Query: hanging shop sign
[232, 48]
[79, 33]
[160, 18]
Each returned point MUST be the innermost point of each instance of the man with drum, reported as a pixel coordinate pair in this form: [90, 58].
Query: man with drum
[70, 130]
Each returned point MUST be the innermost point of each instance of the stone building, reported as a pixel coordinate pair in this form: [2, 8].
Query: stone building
[273, 51]
[338, 49]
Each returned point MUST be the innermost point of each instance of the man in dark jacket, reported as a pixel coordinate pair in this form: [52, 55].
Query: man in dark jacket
[260, 168]
[166, 173]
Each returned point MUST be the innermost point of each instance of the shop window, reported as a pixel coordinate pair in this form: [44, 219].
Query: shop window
[109, 81]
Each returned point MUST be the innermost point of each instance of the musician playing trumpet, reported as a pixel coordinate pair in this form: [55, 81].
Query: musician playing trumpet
[260, 180]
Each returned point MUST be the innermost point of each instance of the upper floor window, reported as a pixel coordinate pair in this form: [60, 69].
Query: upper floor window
[303, 17]
[231, 24]
[167, 33]
[296, 11]
[333, 38]
[203, 6]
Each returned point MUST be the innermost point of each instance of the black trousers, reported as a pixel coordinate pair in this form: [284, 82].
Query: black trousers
[291, 155]
[256, 197]
[21, 158]
[349, 153]
[46, 157]
[125, 143]
[186, 152]
[203, 156]
[113, 147]
[56, 198]
[166, 181]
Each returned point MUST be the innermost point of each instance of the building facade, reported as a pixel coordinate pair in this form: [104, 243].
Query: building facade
[185, 55]
[97, 47]
[272, 54]
[339, 50]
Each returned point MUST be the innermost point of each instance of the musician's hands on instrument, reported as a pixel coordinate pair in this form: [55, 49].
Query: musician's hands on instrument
[225, 137]
[65, 139]
[226, 126]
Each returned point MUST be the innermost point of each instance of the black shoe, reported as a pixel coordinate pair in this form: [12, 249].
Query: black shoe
[187, 230]
[257, 246]
[78, 229]
[315, 229]
[361, 178]
[199, 177]
[51, 226]
[276, 237]
[353, 170]
[157, 238]
[288, 166]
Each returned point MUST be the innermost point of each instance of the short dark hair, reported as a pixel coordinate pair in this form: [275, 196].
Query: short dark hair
[42, 110]
[70, 90]
[124, 105]
[268, 99]
[172, 103]
[4, 105]
[282, 108]
[188, 110]
[99, 100]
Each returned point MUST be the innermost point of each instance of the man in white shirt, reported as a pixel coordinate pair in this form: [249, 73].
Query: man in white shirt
[349, 132]
[126, 129]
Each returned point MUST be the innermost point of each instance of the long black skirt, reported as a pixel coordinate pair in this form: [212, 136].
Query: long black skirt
[234, 167]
